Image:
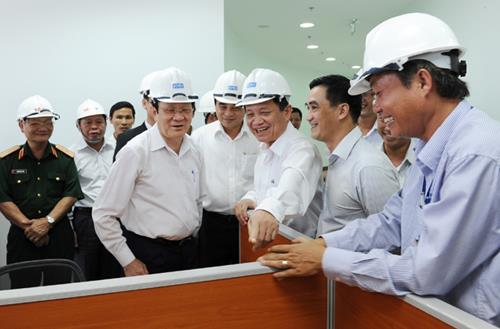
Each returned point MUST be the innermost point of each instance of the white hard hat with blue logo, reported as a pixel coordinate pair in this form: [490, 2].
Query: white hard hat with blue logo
[262, 85]
[172, 86]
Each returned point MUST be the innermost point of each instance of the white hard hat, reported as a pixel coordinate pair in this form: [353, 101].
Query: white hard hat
[228, 87]
[207, 104]
[89, 108]
[172, 86]
[263, 85]
[146, 83]
[35, 107]
[397, 40]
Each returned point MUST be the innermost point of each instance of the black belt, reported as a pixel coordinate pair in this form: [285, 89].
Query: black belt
[86, 210]
[165, 242]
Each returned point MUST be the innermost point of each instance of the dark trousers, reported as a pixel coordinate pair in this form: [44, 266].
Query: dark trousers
[93, 258]
[160, 255]
[219, 239]
[19, 249]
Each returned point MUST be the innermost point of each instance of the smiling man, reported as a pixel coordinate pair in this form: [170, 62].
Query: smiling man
[360, 179]
[38, 186]
[229, 152]
[154, 187]
[446, 219]
[288, 169]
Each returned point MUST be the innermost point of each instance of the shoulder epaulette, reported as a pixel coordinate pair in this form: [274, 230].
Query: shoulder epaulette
[65, 150]
[10, 150]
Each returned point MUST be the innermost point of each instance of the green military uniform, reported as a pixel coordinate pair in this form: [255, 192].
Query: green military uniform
[36, 186]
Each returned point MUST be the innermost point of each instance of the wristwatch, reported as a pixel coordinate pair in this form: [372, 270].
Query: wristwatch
[51, 220]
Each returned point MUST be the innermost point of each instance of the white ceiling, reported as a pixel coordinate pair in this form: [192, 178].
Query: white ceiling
[283, 40]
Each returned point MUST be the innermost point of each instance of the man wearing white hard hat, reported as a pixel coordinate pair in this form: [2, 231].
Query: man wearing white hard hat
[155, 188]
[446, 219]
[38, 186]
[144, 90]
[288, 168]
[207, 107]
[229, 151]
[93, 159]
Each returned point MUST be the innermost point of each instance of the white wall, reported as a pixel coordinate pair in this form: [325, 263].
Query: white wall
[70, 50]
[476, 25]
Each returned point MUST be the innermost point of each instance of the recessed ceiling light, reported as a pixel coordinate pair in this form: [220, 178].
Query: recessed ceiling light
[263, 26]
[355, 67]
[330, 59]
[312, 46]
[306, 25]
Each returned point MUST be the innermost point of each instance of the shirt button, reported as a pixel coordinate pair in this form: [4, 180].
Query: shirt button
[38, 195]
[18, 181]
[38, 178]
[39, 211]
[57, 178]
[38, 163]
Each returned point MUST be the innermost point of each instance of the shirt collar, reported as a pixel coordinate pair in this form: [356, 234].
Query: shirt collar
[220, 130]
[344, 148]
[372, 131]
[280, 144]
[26, 151]
[157, 142]
[147, 125]
[108, 143]
[429, 154]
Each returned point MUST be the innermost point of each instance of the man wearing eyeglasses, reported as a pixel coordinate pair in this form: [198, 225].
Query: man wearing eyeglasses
[155, 188]
[229, 152]
[38, 186]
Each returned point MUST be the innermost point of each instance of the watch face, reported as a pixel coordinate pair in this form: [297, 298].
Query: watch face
[51, 220]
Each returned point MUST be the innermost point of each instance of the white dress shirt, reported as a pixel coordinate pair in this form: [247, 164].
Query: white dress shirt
[93, 168]
[403, 168]
[360, 180]
[229, 165]
[286, 178]
[373, 137]
[155, 192]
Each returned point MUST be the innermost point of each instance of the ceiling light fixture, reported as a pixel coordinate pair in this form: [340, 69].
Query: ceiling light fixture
[306, 25]
[312, 46]
[330, 59]
[355, 67]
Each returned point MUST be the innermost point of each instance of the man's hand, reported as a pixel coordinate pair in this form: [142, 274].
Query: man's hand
[241, 208]
[42, 241]
[136, 267]
[37, 230]
[262, 228]
[302, 258]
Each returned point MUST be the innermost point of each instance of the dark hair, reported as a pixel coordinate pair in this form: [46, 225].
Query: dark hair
[155, 104]
[336, 93]
[282, 104]
[297, 110]
[121, 105]
[447, 83]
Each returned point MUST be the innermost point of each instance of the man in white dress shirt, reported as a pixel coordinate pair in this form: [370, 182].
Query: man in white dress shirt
[155, 188]
[288, 169]
[93, 160]
[229, 151]
[360, 178]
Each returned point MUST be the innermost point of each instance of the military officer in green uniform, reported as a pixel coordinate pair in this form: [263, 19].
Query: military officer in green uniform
[38, 186]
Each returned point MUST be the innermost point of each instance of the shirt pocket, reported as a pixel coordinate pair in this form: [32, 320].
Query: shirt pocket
[248, 165]
[55, 184]
[19, 186]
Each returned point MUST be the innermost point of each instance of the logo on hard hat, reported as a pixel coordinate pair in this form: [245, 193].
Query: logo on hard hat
[178, 85]
[232, 87]
[252, 84]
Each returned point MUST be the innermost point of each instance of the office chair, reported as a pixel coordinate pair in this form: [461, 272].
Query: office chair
[70, 270]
